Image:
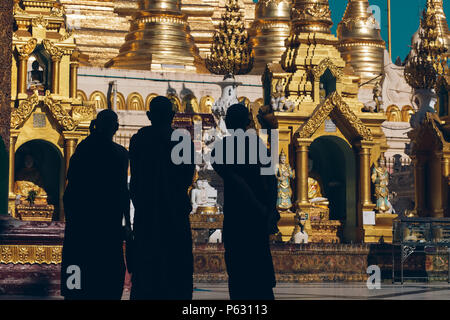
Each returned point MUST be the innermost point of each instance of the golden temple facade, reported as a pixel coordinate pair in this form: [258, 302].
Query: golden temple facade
[47, 119]
[91, 21]
[325, 115]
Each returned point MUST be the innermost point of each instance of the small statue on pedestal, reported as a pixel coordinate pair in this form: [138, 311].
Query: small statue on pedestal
[284, 175]
[203, 198]
[279, 102]
[380, 177]
[29, 180]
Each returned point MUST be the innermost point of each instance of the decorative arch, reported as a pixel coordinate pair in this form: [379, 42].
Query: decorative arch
[336, 108]
[190, 104]
[99, 99]
[149, 99]
[206, 104]
[326, 64]
[135, 102]
[121, 104]
[407, 112]
[82, 96]
[177, 106]
[393, 114]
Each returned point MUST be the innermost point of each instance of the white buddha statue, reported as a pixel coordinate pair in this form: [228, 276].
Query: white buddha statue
[204, 198]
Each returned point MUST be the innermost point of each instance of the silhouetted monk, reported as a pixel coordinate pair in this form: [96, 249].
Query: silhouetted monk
[250, 216]
[95, 202]
[162, 265]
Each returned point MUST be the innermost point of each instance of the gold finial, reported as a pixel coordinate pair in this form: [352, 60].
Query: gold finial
[231, 51]
[428, 57]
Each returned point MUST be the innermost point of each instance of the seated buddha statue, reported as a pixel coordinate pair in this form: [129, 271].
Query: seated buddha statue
[29, 179]
[315, 196]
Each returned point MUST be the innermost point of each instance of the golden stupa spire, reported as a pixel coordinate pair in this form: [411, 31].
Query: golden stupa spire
[360, 41]
[158, 40]
[231, 51]
[427, 59]
[269, 32]
[441, 20]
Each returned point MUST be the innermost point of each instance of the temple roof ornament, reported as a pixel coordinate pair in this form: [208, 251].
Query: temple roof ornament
[311, 16]
[428, 55]
[159, 40]
[360, 41]
[231, 50]
[269, 31]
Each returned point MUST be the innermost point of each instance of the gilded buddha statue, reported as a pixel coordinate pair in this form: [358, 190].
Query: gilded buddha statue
[29, 180]
[284, 175]
[315, 195]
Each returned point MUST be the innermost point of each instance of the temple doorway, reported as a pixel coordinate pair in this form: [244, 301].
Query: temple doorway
[332, 163]
[41, 163]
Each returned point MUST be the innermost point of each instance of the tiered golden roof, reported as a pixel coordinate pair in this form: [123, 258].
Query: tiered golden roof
[231, 51]
[269, 32]
[159, 39]
[360, 39]
[427, 59]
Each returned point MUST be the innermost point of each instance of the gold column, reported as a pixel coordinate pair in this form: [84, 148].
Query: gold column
[12, 158]
[23, 65]
[70, 144]
[302, 172]
[55, 73]
[73, 79]
[364, 176]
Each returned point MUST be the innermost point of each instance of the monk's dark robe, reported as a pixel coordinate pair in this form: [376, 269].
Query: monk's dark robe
[250, 216]
[162, 261]
[95, 201]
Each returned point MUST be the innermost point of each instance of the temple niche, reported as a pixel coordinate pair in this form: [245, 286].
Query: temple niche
[48, 116]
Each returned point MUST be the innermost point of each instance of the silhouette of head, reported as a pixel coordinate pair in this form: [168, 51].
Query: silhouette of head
[106, 124]
[161, 113]
[237, 117]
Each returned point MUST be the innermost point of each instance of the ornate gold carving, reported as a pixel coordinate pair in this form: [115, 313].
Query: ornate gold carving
[33, 254]
[84, 112]
[231, 50]
[28, 48]
[325, 64]
[334, 101]
[26, 107]
[58, 112]
[55, 52]
[39, 21]
[427, 59]
[311, 16]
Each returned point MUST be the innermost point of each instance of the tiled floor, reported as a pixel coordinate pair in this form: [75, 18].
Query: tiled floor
[338, 292]
[435, 291]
